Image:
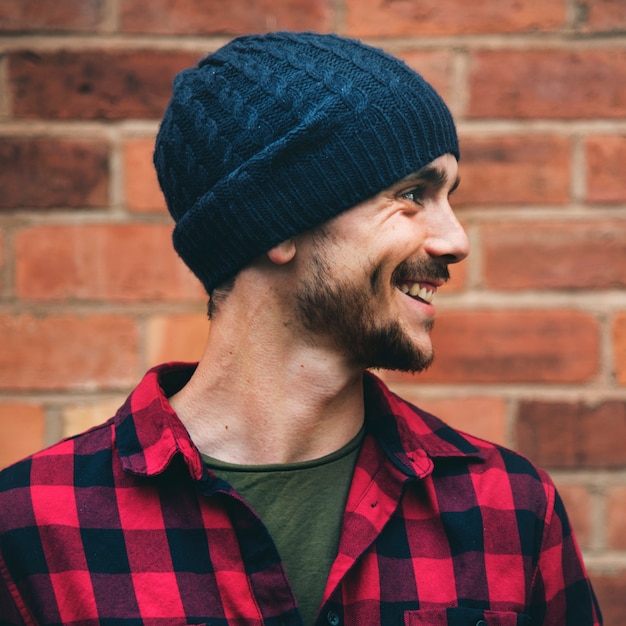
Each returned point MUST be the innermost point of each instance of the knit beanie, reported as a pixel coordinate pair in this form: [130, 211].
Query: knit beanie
[275, 134]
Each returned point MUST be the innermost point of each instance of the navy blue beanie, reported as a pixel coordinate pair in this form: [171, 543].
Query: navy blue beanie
[275, 134]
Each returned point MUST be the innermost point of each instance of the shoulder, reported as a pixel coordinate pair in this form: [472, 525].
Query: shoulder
[94, 457]
[47, 466]
[47, 480]
[509, 475]
[493, 472]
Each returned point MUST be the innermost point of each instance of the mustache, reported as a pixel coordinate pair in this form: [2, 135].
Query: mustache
[427, 269]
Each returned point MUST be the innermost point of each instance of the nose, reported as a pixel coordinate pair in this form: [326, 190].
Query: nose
[446, 237]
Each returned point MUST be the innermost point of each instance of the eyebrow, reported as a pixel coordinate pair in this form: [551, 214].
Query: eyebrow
[435, 176]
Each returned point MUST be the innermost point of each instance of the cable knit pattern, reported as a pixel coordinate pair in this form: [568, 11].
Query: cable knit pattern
[274, 134]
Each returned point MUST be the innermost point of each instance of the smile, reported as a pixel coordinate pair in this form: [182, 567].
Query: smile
[415, 290]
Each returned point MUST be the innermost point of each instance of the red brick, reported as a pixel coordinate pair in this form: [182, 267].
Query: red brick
[215, 17]
[619, 347]
[578, 505]
[551, 84]
[435, 66]
[129, 262]
[481, 416]
[64, 352]
[77, 418]
[93, 84]
[497, 171]
[573, 434]
[605, 168]
[176, 337]
[601, 16]
[494, 346]
[43, 173]
[616, 517]
[63, 15]
[143, 194]
[22, 431]
[3, 263]
[609, 588]
[587, 255]
[372, 18]
[458, 279]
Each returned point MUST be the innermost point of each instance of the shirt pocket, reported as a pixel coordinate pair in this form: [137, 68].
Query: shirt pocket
[459, 616]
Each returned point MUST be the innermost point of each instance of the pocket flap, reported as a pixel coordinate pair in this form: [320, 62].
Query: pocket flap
[459, 616]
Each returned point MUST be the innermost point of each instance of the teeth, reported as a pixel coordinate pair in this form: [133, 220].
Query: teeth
[417, 292]
[426, 295]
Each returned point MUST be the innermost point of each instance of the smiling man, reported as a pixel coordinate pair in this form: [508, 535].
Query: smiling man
[402, 239]
[278, 481]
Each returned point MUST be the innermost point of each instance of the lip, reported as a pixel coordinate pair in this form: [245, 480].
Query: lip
[430, 283]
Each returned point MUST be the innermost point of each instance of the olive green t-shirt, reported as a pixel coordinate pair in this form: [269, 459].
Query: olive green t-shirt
[302, 505]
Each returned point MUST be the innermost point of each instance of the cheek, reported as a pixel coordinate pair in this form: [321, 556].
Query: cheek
[377, 281]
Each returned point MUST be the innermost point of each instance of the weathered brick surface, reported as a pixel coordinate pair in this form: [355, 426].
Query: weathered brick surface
[513, 346]
[176, 337]
[213, 17]
[458, 279]
[616, 516]
[43, 172]
[67, 352]
[619, 344]
[87, 84]
[573, 434]
[22, 431]
[100, 262]
[551, 84]
[2, 262]
[609, 588]
[508, 170]
[436, 66]
[77, 418]
[371, 18]
[601, 16]
[481, 416]
[141, 186]
[589, 255]
[605, 157]
[60, 15]
[578, 504]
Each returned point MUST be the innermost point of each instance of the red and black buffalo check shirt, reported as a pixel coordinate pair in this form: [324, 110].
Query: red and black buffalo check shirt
[124, 525]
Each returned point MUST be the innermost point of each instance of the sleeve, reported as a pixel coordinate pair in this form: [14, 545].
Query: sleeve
[561, 590]
[13, 610]
[14, 501]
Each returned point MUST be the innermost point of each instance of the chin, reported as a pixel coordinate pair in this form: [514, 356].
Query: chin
[402, 356]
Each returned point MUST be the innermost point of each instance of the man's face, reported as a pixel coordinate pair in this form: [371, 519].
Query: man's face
[371, 273]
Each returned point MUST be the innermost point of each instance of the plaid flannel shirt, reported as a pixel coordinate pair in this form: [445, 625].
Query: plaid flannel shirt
[124, 525]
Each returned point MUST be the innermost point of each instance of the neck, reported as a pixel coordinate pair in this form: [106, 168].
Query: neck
[262, 395]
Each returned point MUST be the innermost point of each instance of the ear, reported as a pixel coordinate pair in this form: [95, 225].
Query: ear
[282, 253]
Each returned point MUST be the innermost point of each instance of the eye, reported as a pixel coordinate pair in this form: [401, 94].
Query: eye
[415, 195]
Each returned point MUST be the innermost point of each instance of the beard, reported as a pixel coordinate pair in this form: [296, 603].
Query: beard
[345, 312]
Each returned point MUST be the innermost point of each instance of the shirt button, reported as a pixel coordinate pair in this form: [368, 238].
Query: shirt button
[333, 619]
[481, 622]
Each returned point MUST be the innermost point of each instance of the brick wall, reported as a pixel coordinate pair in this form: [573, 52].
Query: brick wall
[532, 333]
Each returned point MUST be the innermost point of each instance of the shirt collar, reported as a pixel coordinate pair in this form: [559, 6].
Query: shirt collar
[413, 439]
[149, 433]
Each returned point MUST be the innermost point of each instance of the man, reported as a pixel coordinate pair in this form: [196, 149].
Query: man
[279, 482]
